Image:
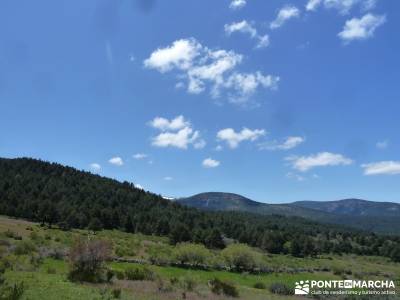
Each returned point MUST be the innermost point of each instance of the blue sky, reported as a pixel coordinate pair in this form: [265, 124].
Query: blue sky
[276, 100]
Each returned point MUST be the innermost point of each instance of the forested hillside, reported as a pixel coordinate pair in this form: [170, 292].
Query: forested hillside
[57, 195]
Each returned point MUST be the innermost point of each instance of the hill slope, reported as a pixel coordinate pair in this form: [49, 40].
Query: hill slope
[54, 194]
[380, 217]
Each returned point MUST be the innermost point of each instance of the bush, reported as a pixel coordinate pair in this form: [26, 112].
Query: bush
[13, 292]
[116, 293]
[24, 248]
[240, 257]
[218, 286]
[280, 288]
[188, 283]
[119, 274]
[136, 273]
[51, 270]
[194, 254]
[260, 285]
[12, 235]
[87, 258]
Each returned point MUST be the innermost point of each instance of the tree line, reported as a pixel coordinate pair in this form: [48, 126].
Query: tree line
[54, 194]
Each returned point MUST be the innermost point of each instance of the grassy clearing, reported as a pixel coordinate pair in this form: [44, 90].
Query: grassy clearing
[47, 279]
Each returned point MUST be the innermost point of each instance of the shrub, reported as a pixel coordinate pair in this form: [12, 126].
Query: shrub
[218, 286]
[116, 293]
[13, 292]
[188, 283]
[136, 273]
[119, 274]
[260, 285]
[12, 235]
[24, 248]
[240, 257]
[195, 254]
[87, 258]
[280, 288]
[51, 270]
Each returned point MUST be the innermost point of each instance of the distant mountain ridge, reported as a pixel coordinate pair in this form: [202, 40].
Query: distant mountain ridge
[380, 217]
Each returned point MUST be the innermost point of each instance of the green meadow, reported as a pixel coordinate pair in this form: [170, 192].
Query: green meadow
[34, 257]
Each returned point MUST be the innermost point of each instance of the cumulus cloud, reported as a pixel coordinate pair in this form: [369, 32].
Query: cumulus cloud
[95, 167]
[179, 55]
[210, 163]
[140, 156]
[361, 29]
[176, 132]
[246, 28]
[289, 143]
[116, 161]
[237, 4]
[205, 69]
[285, 13]
[382, 168]
[164, 124]
[342, 6]
[322, 159]
[233, 139]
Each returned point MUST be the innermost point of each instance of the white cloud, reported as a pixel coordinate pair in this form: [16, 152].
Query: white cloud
[243, 27]
[176, 132]
[237, 4]
[138, 186]
[180, 139]
[361, 29]
[140, 156]
[322, 159]
[295, 176]
[219, 148]
[312, 5]
[286, 13]
[246, 84]
[174, 124]
[200, 144]
[233, 139]
[342, 6]
[116, 161]
[382, 144]
[382, 168]
[210, 163]
[289, 143]
[246, 28]
[179, 55]
[168, 178]
[205, 69]
[95, 167]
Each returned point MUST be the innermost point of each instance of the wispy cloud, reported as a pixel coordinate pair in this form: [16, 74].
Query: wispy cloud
[116, 161]
[140, 156]
[322, 159]
[361, 29]
[382, 144]
[237, 4]
[382, 168]
[246, 28]
[289, 143]
[285, 14]
[342, 6]
[210, 163]
[95, 167]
